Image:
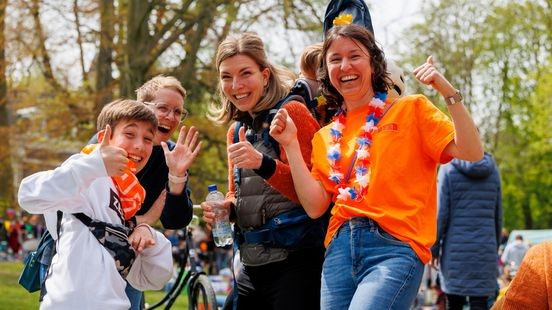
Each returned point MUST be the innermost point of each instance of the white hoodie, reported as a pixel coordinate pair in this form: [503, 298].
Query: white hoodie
[83, 274]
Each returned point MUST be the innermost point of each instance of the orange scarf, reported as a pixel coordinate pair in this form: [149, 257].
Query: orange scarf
[131, 193]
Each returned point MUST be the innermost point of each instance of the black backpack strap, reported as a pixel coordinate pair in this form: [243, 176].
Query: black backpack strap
[85, 219]
[51, 252]
[58, 226]
[236, 139]
[270, 116]
[237, 132]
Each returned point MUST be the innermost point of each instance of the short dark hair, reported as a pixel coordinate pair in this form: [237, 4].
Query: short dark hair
[125, 109]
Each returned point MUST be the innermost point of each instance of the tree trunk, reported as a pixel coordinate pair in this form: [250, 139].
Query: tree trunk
[6, 173]
[104, 80]
[136, 53]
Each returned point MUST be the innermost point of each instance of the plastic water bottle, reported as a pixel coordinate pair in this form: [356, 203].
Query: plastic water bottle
[222, 231]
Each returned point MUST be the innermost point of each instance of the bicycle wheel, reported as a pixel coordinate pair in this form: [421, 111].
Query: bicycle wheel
[202, 294]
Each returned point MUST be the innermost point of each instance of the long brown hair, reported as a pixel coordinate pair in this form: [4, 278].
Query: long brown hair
[380, 78]
[279, 82]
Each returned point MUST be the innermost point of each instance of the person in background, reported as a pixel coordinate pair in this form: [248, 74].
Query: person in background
[377, 163]
[504, 235]
[272, 277]
[531, 288]
[15, 230]
[514, 252]
[469, 220]
[308, 64]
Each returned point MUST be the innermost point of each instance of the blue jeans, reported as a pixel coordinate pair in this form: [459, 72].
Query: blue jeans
[367, 268]
[135, 297]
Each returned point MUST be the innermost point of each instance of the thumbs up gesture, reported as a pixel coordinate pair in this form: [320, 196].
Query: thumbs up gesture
[243, 155]
[115, 158]
[427, 74]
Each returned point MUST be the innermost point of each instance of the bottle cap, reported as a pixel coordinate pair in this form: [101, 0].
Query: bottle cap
[212, 188]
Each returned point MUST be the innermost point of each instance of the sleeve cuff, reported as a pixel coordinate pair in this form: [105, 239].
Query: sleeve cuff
[268, 167]
[176, 195]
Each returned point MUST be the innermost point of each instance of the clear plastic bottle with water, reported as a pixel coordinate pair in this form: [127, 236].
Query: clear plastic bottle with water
[222, 231]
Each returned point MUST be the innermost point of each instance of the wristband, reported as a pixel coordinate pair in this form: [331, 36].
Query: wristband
[145, 225]
[178, 180]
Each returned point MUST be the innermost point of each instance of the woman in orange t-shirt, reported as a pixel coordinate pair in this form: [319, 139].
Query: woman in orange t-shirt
[377, 163]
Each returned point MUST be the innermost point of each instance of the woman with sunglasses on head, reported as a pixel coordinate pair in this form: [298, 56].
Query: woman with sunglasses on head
[259, 181]
[377, 162]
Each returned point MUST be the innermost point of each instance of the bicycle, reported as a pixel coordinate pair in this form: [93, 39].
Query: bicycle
[201, 294]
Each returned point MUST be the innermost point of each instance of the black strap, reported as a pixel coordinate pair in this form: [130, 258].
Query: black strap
[58, 226]
[85, 219]
[53, 252]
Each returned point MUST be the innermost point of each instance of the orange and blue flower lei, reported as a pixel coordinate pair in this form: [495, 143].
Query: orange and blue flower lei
[362, 156]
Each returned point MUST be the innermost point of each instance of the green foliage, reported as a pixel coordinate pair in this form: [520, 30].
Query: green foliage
[137, 40]
[499, 55]
[210, 166]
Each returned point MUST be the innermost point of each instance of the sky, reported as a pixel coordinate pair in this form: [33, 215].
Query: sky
[389, 18]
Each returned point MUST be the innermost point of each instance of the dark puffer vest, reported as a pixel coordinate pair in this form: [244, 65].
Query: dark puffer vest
[256, 202]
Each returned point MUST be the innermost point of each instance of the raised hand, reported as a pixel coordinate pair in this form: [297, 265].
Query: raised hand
[115, 158]
[282, 128]
[185, 151]
[427, 74]
[243, 154]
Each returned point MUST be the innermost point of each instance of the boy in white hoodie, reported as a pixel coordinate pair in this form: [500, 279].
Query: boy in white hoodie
[99, 182]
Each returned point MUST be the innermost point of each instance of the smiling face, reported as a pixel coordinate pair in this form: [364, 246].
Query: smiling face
[168, 106]
[136, 138]
[350, 71]
[242, 81]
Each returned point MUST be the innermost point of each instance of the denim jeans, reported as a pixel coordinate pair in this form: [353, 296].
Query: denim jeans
[367, 268]
[135, 297]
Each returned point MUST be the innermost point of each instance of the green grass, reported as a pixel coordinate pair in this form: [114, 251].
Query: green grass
[15, 297]
[180, 303]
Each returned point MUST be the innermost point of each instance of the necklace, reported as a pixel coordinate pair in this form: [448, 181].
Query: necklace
[362, 162]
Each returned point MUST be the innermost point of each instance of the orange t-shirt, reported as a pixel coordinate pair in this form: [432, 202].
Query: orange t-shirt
[404, 155]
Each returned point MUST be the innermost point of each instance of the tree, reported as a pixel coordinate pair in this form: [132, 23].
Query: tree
[500, 66]
[6, 176]
[104, 78]
[71, 60]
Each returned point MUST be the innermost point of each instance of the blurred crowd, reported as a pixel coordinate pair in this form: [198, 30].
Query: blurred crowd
[19, 234]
